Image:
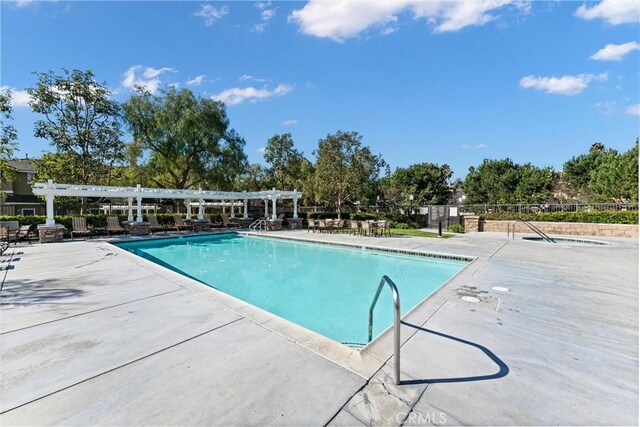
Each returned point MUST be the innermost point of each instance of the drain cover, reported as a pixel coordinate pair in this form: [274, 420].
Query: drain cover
[500, 289]
[469, 299]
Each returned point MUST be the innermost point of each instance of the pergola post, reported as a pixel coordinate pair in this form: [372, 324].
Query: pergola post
[139, 205]
[233, 209]
[49, 198]
[295, 205]
[266, 208]
[130, 213]
[245, 213]
[274, 214]
[224, 206]
[200, 209]
[188, 206]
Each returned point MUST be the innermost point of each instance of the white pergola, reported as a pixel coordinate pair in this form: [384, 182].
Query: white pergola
[50, 190]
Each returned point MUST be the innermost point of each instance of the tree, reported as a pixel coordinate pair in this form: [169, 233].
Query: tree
[616, 178]
[285, 162]
[8, 137]
[254, 178]
[427, 182]
[186, 139]
[80, 120]
[345, 171]
[503, 181]
[59, 167]
[578, 171]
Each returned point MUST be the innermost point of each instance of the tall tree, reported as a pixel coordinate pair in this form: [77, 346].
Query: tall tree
[285, 162]
[503, 181]
[616, 178]
[8, 140]
[427, 182]
[578, 171]
[345, 171]
[80, 120]
[186, 139]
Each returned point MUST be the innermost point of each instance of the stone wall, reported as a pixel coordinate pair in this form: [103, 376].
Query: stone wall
[475, 223]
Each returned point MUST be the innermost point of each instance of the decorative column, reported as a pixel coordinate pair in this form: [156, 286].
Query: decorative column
[233, 209]
[266, 208]
[274, 215]
[295, 206]
[139, 206]
[130, 215]
[200, 209]
[245, 213]
[188, 205]
[50, 220]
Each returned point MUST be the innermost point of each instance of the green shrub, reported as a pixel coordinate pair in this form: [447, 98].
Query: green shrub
[456, 228]
[600, 217]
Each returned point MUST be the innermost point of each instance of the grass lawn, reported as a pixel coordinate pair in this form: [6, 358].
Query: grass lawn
[416, 233]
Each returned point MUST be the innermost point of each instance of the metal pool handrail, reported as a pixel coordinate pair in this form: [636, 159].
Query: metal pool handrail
[396, 323]
[531, 226]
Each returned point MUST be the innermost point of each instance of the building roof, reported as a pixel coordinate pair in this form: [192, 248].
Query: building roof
[22, 165]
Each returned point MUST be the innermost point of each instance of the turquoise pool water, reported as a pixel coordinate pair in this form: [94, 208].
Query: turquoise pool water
[324, 288]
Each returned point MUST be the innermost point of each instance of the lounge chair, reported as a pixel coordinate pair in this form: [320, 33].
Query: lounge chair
[207, 218]
[180, 224]
[229, 223]
[154, 225]
[79, 227]
[113, 226]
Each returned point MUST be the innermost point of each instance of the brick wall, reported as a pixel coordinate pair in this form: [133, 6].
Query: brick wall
[474, 223]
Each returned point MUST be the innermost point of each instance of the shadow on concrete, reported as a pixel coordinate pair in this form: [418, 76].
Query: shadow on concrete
[25, 292]
[503, 369]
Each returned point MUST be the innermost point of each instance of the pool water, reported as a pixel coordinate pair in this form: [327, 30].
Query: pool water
[327, 289]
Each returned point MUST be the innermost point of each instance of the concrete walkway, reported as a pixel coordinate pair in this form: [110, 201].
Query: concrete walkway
[92, 335]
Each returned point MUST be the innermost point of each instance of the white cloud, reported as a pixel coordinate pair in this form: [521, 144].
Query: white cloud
[607, 108]
[633, 110]
[615, 52]
[147, 77]
[266, 14]
[613, 11]
[19, 98]
[481, 146]
[289, 122]
[211, 14]
[261, 150]
[464, 146]
[565, 85]
[342, 20]
[196, 81]
[23, 3]
[258, 28]
[245, 77]
[238, 95]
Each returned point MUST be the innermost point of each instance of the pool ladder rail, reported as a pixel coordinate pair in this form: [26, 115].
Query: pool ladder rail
[396, 322]
[259, 224]
[512, 230]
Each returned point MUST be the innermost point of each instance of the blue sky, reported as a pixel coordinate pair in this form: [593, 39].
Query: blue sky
[421, 81]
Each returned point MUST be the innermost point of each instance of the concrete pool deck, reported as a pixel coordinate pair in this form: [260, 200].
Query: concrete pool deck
[92, 335]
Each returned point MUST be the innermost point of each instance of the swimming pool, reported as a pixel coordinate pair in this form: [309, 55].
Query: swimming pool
[325, 288]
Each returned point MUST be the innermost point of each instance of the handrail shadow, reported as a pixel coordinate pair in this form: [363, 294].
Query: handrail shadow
[503, 370]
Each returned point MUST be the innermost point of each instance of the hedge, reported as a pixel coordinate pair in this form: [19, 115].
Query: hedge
[603, 217]
[92, 220]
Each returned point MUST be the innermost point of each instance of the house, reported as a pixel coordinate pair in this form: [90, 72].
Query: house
[18, 199]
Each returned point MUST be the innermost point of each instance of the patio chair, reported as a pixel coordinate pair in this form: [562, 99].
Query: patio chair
[9, 231]
[154, 225]
[338, 225]
[229, 223]
[353, 227]
[386, 228]
[180, 224]
[79, 227]
[322, 225]
[113, 226]
[365, 227]
[311, 225]
[26, 232]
